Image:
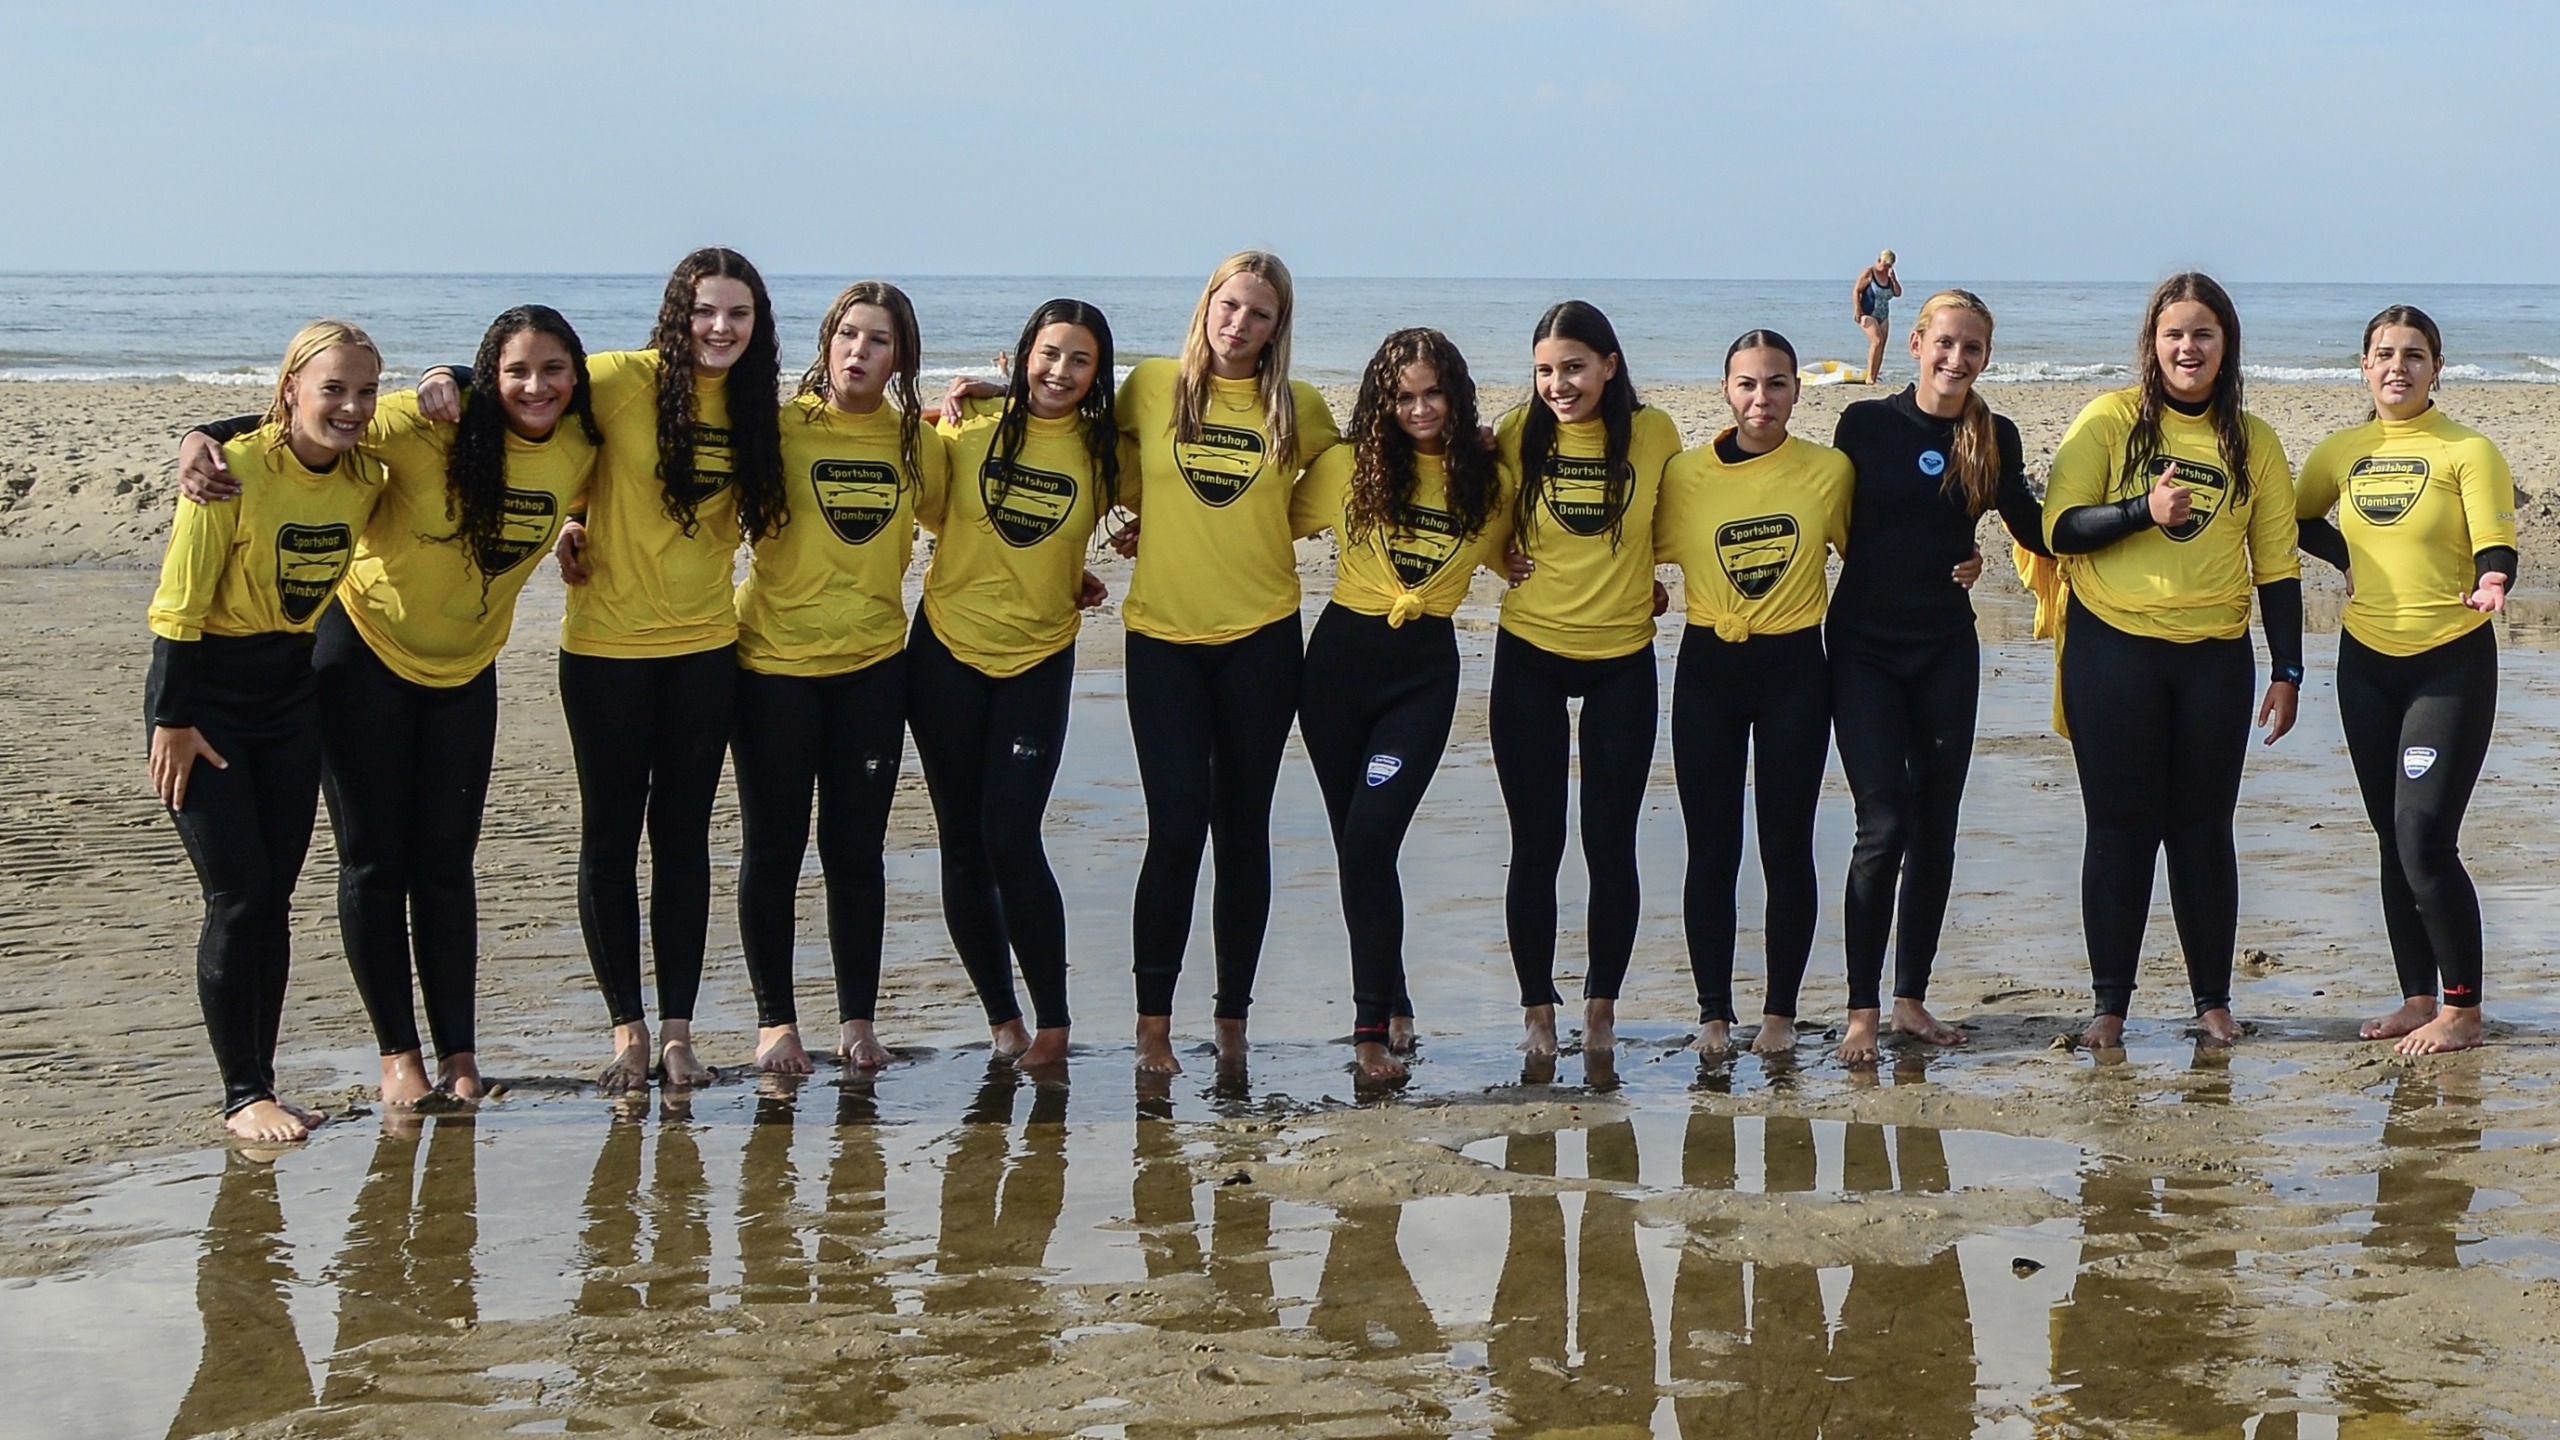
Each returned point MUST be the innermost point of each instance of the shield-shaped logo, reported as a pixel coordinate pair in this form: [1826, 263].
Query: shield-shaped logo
[1578, 494]
[711, 462]
[1382, 768]
[2416, 761]
[1423, 548]
[309, 560]
[2383, 490]
[1755, 553]
[856, 496]
[1032, 505]
[1221, 464]
[2207, 488]
[528, 517]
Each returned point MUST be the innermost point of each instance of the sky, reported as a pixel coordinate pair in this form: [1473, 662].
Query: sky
[2274, 140]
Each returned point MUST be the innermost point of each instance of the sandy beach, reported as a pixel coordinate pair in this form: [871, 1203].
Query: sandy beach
[2305, 1236]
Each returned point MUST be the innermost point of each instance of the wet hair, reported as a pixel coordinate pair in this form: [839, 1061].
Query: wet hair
[2415, 319]
[1581, 322]
[2230, 424]
[1760, 340]
[1101, 419]
[1271, 368]
[902, 380]
[754, 393]
[1975, 475]
[307, 345]
[475, 472]
[1381, 495]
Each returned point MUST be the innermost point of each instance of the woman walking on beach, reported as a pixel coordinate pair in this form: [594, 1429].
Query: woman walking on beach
[2426, 529]
[242, 585]
[1871, 298]
[1906, 669]
[1416, 503]
[2168, 505]
[1751, 519]
[821, 669]
[407, 671]
[1589, 456]
[992, 657]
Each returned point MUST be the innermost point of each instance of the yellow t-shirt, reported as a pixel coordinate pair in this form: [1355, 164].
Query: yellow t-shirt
[1421, 569]
[268, 559]
[1001, 587]
[1749, 538]
[412, 592]
[2423, 496]
[654, 589]
[825, 594]
[1591, 597]
[2194, 581]
[1214, 558]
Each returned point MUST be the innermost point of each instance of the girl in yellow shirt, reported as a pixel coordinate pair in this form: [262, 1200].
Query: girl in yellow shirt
[242, 585]
[2427, 527]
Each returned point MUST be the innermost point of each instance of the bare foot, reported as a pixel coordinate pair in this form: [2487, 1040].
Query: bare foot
[1377, 1061]
[1009, 1039]
[272, 1122]
[1155, 1045]
[1538, 1024]
[458, 1075]
[1600, 1067]
[2105, 1032]
[1048, 1047]
[404, 1080]
[678, 1066]
[2216, 1027]
[1231, 1041]
[1777, 1036]
[2457, 1028]
[779, 1051]
[1858, 1047]
[1400, 1034]
[2413, 1013]
[629, 1068]
[860, 1047]
[1912, 1018]
[1715, 1037]
[1599, 1024]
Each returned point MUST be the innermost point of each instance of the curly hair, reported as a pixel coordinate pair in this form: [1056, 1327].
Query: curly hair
[1579, 321]
[1271, 368]
[2230, 423]
[1101, 419]
[475, 471]
[910, 359]
[1381, 497]
[755, 400]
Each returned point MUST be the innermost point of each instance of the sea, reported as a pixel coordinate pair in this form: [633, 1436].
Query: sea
[230, 329]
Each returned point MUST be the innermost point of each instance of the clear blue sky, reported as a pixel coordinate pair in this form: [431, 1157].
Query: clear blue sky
[2017, 139]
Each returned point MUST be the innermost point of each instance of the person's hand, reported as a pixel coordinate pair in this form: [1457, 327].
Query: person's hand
[1517, 567]
[173, 758]
[1969, 569]
[963, 389]
[1091, 592]
[1123, 538]
[1661, 599]
[2171, 502]
[571, 550]
[202, 477]
[2491, 597]
[439, 398]
[2276, 712]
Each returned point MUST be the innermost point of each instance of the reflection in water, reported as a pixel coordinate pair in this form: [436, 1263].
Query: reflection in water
[252, 1368]
[2417, 1208]
[1000, 1206]
[406, 1266]
[2131, 1346]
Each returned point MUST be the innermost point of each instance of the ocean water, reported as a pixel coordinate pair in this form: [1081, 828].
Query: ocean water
[231, 328]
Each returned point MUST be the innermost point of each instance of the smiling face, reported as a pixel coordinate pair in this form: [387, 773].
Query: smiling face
[536, 380]
[1761, 387]
[1569, 377]
[862, 353]
[1422, 407]
[1060, 369]
[2189, 343]
[1951, 352]
[724, 320]
[2400, 368]
[1244, 313]
[329, 401]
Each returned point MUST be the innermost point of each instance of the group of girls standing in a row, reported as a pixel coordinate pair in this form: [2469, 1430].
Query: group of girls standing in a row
[645, 470]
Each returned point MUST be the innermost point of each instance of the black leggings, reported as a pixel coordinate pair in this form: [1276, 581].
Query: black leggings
[649, 735]
[1904, 715]
[1210, 723]
[1532, 757]
[990, 749]
[2159, 730]
[2431, 714]
[1769, 695]
[1375, 714]
[845, 736]
[247, 829]
[407, 778]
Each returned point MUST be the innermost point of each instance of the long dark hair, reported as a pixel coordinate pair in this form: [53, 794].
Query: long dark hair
[1581, 322]
[1382, 469]
[2415, 319]
[2230, 428]
[755, 399]
[1101, 421]
[475, 473]
[902, 380]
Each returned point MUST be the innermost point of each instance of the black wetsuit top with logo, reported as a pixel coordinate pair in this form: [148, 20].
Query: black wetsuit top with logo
[1909, 528]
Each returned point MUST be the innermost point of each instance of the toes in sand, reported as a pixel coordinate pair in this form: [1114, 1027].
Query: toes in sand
[1155, 1046]
[1538, 1031]
[1912, 1018]
[627, 1070]
[2414, 1013]
[272, 1122]
[1777, 1036]
[1715, 1039]
[680, 1067]
[779, 1051]
[2456, 1028]
[1859, 1046]
[2105, 1032]
[1377, 1062]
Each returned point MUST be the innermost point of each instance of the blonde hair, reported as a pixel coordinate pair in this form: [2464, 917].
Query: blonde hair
[1884, 257]
[1271, 370]
[1976, 471]
[309, 343]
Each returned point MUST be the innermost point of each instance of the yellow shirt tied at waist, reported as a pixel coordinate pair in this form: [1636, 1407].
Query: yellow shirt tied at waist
[1591, 596]
[2420, 497]
[825, 594]
[267, 560]
[434, 613]
[1750, 539]
[1214, 559]
[654, 590]
[2184, 582]
[1423, 568]
[1009, 548]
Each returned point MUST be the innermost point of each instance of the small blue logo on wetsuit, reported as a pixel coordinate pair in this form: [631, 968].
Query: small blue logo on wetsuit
[1932, 463]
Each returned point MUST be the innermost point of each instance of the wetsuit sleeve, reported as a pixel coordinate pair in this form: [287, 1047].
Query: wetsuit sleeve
[174, 667]
[223, 432]
[2496, 560]
[2084, 528]
[2321, 541]
[2078, 517]
[2020, 511]
[2280, 616]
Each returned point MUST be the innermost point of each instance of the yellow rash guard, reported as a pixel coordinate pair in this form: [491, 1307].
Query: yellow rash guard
[1591, 596]
[435, 614]
[1214, 559]
[267, 560]
[1009, 551]
[825, 594]
[2422, 497]
[1750, 538]
[653, 589]
[1423, 568]
[2189, 582]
